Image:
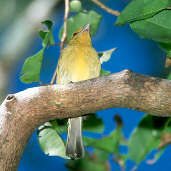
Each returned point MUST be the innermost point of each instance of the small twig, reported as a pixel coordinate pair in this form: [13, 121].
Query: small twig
[107, 9]
[66, 15]
[54, 77]
[64, 36]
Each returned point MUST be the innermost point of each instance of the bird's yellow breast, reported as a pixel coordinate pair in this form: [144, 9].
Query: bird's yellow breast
[78, 63]
[80, 67]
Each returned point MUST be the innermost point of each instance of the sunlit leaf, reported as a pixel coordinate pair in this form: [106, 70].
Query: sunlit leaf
[157, 28]
[50, 141]
[141, 9]
[31, 68]
[106, 55]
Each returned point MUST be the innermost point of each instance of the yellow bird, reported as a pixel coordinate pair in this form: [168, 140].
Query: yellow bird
[78, 61]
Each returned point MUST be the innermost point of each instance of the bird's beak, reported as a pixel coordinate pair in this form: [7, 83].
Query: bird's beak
[86, 28]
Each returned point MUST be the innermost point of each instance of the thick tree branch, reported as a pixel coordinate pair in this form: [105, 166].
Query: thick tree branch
[22, 112]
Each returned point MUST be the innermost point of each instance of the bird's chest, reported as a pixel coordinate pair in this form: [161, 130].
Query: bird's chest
[78, 64]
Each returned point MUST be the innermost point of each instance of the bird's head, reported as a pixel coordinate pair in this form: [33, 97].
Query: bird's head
[81, 36]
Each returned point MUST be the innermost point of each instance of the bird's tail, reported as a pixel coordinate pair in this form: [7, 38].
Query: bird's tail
[74, 145]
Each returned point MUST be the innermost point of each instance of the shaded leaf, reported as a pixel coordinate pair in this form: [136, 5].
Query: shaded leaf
[93, 124]
[31, 68]
[106, 55]
[157, 28]
[48, 24]
[80, 20]
[141, 9]
[47, 36]
[145, 137]
[50, 142]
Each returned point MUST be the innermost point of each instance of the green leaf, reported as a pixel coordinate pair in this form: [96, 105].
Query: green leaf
[80, 20]
[145, 137]
[106, 55]
[42, 34]
[32, 65]
[141, 9]
[167, 48]
[104, 73]
[93, 124]
[50, 142]
[157, 28]
[31, 68]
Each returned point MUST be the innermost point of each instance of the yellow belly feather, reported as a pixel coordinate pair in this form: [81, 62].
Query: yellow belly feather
[78, 64]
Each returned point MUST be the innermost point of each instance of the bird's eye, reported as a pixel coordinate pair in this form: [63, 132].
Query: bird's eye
[74, 34]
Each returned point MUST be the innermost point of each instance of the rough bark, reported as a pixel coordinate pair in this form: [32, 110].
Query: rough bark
[23, 112]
